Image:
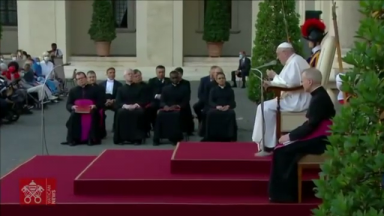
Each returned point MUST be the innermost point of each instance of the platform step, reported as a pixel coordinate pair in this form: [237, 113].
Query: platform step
[216, 157]
[116, 172]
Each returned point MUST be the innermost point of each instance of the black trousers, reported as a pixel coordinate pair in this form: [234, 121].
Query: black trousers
[198, 108]
[233, 78]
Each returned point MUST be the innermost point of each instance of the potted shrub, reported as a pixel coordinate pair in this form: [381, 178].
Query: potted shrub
[102, 29]
[351, 179]
[270, 32]
[217, 25]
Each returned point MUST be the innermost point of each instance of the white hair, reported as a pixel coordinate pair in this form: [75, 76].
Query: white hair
[314, 75]
[129, 70]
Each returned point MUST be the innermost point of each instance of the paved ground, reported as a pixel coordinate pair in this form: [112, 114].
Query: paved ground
[23, 139]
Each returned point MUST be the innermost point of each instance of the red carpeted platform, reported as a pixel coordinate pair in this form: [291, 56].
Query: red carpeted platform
[148, 184]
[238, 157]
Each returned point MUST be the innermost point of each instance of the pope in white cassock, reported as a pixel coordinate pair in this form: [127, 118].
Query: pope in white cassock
[296, 101]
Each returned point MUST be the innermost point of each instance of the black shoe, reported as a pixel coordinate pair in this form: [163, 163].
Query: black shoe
[72, 144]
[65, 143]
[242, 86]
[234, 86]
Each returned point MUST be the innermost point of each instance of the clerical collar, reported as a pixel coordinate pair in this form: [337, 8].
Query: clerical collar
[129, 83]
[222, 87]
[316, 49]
[314, 91]
[175, 84]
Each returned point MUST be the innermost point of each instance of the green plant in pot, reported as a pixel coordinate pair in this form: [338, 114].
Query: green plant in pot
[102, 29]
[351, 179]
[217, 25]
[270, 32]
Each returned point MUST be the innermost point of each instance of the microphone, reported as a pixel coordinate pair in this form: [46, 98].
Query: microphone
[271, 63]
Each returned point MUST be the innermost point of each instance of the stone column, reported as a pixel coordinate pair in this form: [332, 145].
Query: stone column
[159, 33]
[255, 11]
[41, 23]
[348, 21]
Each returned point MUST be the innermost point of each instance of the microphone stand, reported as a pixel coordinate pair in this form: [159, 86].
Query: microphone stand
[44, 147]
[261, 151]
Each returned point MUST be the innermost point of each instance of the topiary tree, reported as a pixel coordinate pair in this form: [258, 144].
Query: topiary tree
[350, 182]
[217, 23]
[270, 32]
[103, 24]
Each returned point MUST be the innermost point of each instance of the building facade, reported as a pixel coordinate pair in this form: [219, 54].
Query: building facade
[151, 31]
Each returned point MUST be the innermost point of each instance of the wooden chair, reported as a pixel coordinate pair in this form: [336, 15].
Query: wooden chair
[307, 162]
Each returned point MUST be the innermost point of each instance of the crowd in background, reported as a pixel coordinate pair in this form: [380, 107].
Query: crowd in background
[28, 82]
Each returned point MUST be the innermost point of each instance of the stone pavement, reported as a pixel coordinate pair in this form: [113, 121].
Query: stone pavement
[23, 139]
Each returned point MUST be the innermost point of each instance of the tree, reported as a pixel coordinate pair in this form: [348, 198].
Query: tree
[270, 32]
[216, 21]
[103, 21]
[350, 179]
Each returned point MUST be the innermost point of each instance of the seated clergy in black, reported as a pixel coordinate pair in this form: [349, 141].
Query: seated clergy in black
[199, 105]
[207, 89]
[130, 112]
[110, 87]
[156, 85]
[221, 118]
[147, 96]
[83, 102]
[309, 138]
[189, 124]
[174, 101]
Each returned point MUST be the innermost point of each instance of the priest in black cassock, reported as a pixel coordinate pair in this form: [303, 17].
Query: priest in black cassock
[156, 86]
[309, 138]
[189, 124]
[147, 97]
[221, 118]
[130, 102]
[76, 125]
[174, 101]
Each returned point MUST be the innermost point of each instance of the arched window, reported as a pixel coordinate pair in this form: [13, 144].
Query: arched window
[125, 14]
[8, 12]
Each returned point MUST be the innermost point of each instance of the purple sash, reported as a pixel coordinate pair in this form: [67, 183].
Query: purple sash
[322, 130]
[86, 118]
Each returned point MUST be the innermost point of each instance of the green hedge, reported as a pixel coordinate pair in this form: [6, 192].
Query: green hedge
[103, 25]
[350, 183]
[270, 32]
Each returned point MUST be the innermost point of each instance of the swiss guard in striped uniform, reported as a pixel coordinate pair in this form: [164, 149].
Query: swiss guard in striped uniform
[313, 30]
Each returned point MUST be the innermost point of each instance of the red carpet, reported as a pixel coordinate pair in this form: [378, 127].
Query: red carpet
[148, 188]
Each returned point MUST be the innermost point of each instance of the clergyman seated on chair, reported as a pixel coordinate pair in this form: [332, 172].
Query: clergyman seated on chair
[156, 84]
[198, 107]
[243, 69]
[130, 121]
[221, 117]
[174, 103]
[111, 86]
[147, 97]
[83, 102]
[309, 138]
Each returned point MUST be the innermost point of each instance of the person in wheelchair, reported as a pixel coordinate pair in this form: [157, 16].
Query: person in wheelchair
[220, 122]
